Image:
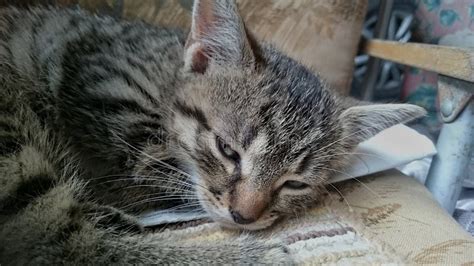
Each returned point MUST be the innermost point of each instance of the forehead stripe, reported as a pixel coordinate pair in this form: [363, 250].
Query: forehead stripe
[193, 112]
[248, 136]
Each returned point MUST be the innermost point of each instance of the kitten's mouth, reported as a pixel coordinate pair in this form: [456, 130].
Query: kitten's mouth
[220, 214]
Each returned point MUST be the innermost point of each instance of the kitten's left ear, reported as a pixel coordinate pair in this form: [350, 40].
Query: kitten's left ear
[364, 121]
[217, 38]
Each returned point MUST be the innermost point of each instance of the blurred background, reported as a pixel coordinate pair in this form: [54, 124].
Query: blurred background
[421, 21]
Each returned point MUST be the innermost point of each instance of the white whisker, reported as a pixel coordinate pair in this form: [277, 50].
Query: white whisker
[351, 177]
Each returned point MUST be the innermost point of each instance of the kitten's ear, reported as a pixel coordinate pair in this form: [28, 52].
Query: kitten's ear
[362, 122]
[217, 38]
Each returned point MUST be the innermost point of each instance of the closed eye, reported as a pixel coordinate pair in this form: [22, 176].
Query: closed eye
[227, 151]
[296, 185]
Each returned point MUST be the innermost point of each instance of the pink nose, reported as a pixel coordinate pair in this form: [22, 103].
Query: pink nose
[241, 220]
[248, 203]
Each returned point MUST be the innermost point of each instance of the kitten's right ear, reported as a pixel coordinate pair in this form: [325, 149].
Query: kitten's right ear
[217, 38]
[364, 121]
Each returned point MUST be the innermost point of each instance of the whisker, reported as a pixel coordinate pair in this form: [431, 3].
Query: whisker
[158, 186]
[351, 177]
[335, 188]
[190, 179]
[342, 196]
[184, 206]
[153, 158]
[352, 153]
[148, 179]
[150, 200]
[339, 140]
[333, 143]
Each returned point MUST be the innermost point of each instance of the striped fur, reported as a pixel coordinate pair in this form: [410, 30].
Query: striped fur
[102, 119]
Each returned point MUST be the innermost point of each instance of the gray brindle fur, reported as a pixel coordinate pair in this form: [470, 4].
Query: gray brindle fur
[102, 119]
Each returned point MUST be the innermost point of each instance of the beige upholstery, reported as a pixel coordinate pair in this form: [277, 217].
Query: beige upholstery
[391, 219]
[400, 213]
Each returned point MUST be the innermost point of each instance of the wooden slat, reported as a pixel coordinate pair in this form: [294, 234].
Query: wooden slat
[449, 61]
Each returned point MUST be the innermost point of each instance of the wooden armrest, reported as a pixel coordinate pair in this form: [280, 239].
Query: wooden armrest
[450, 61]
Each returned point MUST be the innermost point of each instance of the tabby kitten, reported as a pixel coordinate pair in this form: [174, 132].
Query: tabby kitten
[102, 119]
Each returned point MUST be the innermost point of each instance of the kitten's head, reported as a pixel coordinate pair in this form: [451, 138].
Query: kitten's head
[260, 133]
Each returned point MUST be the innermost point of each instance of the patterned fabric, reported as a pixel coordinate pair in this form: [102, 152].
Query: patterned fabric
[383, 218]
[320, 237]
[438, 18]
[437, 22]
[401, 213]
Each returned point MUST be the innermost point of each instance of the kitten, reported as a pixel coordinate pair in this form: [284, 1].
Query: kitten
[109, 118]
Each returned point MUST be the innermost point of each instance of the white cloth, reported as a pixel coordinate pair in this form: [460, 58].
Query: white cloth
[390, 148]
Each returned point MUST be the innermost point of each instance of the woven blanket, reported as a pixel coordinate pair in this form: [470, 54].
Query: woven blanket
[382, 218]
[320, 236]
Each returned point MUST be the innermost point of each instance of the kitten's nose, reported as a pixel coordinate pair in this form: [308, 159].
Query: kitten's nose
[239, 219]
[247, 203]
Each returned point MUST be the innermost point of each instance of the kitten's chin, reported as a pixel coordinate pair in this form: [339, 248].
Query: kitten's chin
[229, 224]
[226, 221]
[249, 227]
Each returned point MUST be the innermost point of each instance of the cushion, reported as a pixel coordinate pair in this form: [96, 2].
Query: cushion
[382, 218]
[399, 213]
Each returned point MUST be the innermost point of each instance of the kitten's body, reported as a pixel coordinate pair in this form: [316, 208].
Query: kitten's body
[113, 104]
[97, 83]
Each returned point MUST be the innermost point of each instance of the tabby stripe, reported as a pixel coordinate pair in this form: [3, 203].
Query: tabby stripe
[208, 162]
[144, 131]
[89, 47]
[152, 124]
[8, 145]
[27, 192]
[68, 230]
[265, 114]
[141, 67]
[249, 135]
[9, 141]
[7, 127]
[138, 138]
[117, 106]
[193, 112]
[114, 71]
[37, 23]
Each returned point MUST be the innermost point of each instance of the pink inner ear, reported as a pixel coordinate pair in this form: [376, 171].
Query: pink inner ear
[217, 34]
[204, 18]
[200, 61]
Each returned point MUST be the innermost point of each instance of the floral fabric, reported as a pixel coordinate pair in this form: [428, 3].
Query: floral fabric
[436, 20]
